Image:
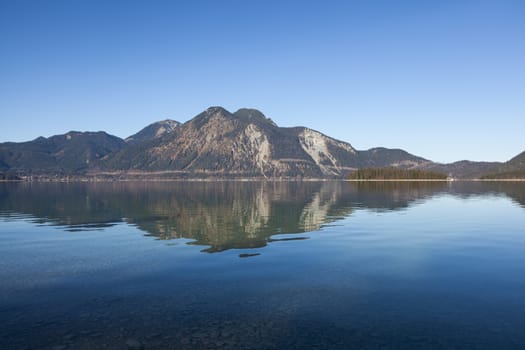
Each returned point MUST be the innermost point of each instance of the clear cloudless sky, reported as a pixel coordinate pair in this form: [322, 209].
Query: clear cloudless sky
[441, 79]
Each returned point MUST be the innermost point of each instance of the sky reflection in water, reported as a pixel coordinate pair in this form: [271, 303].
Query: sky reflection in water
[332, 265]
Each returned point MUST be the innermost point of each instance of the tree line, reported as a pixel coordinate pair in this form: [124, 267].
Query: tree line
[395, 174]
[516, 174]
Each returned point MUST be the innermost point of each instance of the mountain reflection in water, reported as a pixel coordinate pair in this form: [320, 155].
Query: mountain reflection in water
[398, 265]
[221, 215]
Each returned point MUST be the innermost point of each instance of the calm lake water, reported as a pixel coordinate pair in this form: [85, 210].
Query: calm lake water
[235, 265]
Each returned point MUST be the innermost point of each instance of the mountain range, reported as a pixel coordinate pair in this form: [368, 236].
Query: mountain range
[218, 144]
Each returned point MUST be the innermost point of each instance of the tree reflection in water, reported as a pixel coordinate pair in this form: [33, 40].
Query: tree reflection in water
[222, 215]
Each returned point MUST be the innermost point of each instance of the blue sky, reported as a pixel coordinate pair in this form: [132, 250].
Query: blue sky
[441, 79]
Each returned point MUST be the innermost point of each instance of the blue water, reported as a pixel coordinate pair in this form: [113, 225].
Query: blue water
[262, 266]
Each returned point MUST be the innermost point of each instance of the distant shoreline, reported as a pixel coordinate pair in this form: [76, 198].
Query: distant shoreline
[254, 179]
[437, 180]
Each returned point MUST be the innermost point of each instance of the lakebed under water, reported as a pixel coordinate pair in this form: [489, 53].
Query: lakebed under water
[262, 265]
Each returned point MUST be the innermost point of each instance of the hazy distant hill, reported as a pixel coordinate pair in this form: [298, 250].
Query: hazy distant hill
[462, 169]
[514, 168]
[381, 157]
[71, 153]
[219, 144]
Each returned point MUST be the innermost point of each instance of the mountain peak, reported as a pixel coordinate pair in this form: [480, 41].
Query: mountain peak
[153, 131]
[243, 114]
[250, 114]
[216, 109]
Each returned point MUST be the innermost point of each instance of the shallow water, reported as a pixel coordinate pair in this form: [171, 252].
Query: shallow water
[328, 265]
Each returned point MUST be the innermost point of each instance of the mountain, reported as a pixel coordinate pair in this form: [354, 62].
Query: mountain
[463, 169]
[230, 214]
[68, 154]
[514, 168]
[218, 143]
[380, 157]
[516, 163]
[153, 131]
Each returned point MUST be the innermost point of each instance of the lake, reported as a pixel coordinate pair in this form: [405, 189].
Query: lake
[262, 265]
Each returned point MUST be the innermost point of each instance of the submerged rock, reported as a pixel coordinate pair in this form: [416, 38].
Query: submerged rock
[133, 344]
[247, 255]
